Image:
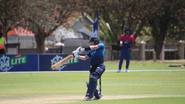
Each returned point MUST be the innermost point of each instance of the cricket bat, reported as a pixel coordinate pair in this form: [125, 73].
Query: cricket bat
[62, 62]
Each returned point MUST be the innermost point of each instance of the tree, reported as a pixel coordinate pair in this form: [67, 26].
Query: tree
[160, 15]
[165, 17]
[40, 16]
[43, 16]
[10, 13]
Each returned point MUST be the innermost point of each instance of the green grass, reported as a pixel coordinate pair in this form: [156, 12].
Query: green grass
[140, 65]
[140, 101]
[168, 86]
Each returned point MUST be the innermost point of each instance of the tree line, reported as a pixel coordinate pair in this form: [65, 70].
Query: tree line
[164, 17]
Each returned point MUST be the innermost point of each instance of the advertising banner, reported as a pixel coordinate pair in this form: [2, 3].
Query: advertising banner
[18, 63]
[74, 65]
[36, 62]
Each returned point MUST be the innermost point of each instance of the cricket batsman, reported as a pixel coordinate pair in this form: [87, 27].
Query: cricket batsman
[126, 42]
[96, 56]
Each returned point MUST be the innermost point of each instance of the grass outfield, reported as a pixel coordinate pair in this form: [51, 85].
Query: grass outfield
[147, 82]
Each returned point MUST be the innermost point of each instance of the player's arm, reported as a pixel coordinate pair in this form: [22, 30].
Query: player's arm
[121, 40]
[121, 43]
[76, 54]
[83, 57]
[133, 38]
[80, 49]
[91, 47]
[94, 47]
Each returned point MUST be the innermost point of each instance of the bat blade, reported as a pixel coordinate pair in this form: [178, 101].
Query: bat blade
[62, 62]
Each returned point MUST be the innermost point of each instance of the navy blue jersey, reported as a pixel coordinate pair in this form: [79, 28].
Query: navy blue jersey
[97, 56]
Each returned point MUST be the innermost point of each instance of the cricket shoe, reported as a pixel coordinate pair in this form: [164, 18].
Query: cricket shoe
[98, 97]
[87, 98]
[118, 71]
[126, 70]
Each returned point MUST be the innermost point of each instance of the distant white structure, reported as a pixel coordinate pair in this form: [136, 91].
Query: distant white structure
[77, 28]
[64, 33]
[22, 36]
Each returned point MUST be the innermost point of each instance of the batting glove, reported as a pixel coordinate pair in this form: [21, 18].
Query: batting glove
[75, 54]
[80, 49]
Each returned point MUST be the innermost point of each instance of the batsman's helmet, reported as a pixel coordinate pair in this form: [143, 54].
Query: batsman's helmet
[94, 40]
